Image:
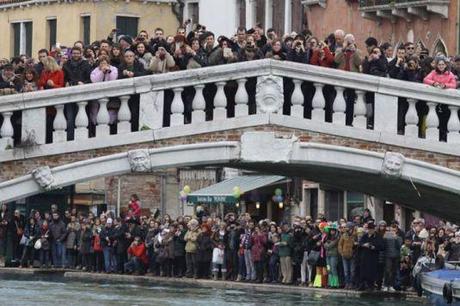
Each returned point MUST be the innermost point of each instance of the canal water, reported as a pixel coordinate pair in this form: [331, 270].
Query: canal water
[44, 293]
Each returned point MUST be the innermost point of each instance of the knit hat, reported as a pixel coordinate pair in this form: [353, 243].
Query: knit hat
[126, 38]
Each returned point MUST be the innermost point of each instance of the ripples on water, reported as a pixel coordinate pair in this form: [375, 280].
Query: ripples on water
[44, 293]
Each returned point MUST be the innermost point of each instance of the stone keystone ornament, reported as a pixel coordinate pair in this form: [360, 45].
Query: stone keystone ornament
[139, 160]
[269, 95]
[393, 164]
[44, 177]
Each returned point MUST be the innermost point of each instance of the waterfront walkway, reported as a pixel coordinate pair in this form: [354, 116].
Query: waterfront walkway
[72, 275]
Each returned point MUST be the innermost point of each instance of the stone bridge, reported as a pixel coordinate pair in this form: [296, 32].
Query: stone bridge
[188, 114]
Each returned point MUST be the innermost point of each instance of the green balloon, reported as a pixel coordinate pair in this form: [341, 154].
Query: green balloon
[278, 191]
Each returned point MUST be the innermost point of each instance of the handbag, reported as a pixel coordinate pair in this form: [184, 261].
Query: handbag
[24, 240]
[38, 244]
[313, 258]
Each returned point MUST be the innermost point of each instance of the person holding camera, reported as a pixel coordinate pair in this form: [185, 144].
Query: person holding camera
[320, 53]
[162, 62]
[349, 57]
[297, 53]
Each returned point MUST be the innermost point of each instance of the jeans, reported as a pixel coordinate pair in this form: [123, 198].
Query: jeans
[332, 262]
[250, 269]
[273, 267]
[110, 261]
[58, 254]
[134, 265]
[391, 268]
[241, 266]
[44, 257]
[71, 257]
[348, 270]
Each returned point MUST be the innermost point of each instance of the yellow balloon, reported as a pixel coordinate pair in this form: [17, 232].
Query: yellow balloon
[187, 189]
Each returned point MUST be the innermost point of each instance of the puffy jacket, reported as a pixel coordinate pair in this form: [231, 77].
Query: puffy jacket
[346, 245]
[139, 251]
[98, 76]
[447, 78]
[191, 237]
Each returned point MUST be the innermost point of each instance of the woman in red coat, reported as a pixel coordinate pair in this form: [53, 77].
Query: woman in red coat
[259, 243]
[134, 207]
[52, 75]
[321, 55]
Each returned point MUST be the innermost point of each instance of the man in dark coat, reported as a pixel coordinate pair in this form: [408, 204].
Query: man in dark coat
[370, 246]
[58, 234]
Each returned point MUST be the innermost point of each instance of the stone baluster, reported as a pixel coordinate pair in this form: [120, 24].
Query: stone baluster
[59, 125]
[339, 107]
[124, 116]
[318, 104]
[411, 128]
[81, 121]
[199, 105]
[241, 99]
[177, 107]
[453, 126]
[220, 102]
[103, 118]
[432, 122]
[297, 99]
[6, 131]
[360, 120]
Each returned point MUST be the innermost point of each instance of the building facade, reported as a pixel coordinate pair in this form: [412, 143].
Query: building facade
[28, 26]
[432, 24]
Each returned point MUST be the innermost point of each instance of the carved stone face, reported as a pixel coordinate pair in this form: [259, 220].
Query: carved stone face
[43, 177]
[393, 164]
[269, 94]
[139, 160]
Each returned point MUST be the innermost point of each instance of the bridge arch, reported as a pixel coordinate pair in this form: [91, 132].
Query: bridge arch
[389, 175]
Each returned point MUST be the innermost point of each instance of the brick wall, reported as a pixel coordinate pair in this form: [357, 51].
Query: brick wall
[17, 168]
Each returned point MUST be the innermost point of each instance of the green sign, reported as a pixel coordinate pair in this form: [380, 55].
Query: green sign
[211, 199]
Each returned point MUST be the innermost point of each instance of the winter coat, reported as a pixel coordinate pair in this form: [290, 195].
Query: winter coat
[98, 76]
[276, 55]
[259, 243]
[205, 247]
[326, 61]
[285, 246]
[121, 243]
[392, 245]
[137, 68]
[58, 230]
[32, 231]
[72, 235]
[56, 76]
[158, 65]
[107, 232]
[447, 78]
[135, 207]
[249, 54]
[86, 237]
[376, 67]
[331, 246]
[348, 60]
[298, 57]
[369, 257]
[145, 59]
[140, 252]
[454, 251]
[346, 245]
[77, 71]
[45, 238]
[191, 238]
[179, 244]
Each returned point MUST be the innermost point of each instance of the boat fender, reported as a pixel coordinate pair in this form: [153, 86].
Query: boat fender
[447, 292]
[418, 285]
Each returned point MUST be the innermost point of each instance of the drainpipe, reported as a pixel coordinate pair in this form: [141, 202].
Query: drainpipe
[118, 196]
[163, 194]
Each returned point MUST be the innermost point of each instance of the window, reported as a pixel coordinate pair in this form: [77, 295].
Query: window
[194, 13]
[86, 29]
[51, 33]
[22, 38]
[127, 25]
[333, 204]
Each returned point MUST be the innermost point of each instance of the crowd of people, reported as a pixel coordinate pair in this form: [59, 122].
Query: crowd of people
[121, 56]
[360, 253]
